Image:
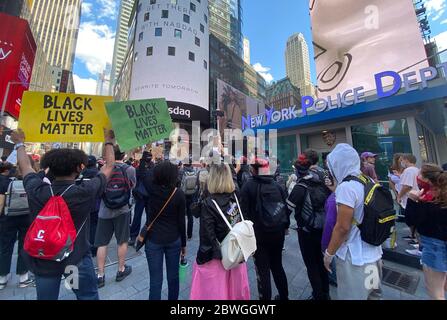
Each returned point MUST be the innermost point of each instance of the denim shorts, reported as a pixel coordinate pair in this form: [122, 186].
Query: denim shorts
[434, 253]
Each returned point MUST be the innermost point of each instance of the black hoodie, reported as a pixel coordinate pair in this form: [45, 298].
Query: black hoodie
[213, 228]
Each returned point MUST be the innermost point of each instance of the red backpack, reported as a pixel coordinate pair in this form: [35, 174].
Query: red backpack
[52, 234]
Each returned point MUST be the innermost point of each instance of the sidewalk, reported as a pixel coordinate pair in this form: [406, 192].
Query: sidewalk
[136, 286]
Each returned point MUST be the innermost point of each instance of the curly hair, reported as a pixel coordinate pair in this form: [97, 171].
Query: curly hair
[64, 162]
[438, 179]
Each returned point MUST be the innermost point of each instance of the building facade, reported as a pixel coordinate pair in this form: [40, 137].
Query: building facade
[283, 94]
[121, 39]
[247, 51]
[297, 63]
[56, 26]
[227, 66]
[226, 23]
[103, 81]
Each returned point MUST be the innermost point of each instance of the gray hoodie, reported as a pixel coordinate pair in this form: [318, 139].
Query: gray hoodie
[343, 161]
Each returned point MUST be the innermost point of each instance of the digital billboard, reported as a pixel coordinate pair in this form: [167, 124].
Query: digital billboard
[171, 58]
[17, 52]
[234, 106]
[355, 39]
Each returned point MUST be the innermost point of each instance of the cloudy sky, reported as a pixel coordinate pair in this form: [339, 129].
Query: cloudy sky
[267, 26]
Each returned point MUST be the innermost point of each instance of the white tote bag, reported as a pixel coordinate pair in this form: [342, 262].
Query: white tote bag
[240, 243]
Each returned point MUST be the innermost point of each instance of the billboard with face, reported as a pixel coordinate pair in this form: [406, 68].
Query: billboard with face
[17, 52]
[355, 39]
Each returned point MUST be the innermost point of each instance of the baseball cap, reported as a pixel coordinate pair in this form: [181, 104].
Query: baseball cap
[91, 161]
[368, 155]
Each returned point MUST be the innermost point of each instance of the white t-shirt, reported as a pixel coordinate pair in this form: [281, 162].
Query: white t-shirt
[409, 178]
[352, 194]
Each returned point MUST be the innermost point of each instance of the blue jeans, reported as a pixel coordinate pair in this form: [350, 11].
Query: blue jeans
[48, 287]
[136, 221]
[154, 255]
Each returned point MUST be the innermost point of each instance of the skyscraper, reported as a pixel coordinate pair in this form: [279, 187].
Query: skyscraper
[226, 23]
[246, 50]
[121, 39]
[297, 63]
[55, 24]
[103, 81]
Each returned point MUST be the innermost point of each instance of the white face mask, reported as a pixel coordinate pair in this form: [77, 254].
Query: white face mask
[403, 164]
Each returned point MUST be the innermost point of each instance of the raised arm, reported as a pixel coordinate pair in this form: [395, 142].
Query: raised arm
[18, 137]
[109, 153]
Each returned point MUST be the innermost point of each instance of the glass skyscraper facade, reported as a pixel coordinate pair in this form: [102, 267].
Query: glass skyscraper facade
[226, 23]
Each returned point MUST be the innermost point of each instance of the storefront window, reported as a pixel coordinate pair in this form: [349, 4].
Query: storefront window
[384, 139]
[287, 153]
[426, 144]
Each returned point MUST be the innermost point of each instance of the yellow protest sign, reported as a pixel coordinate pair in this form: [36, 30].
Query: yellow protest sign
[61, 117]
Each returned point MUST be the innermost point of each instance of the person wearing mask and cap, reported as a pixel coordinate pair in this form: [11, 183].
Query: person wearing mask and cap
[308, 199]
[90, 172]
[144, 171]
[368, 166]
[263, 201]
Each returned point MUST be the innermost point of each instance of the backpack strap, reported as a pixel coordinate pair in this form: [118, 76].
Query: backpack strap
[221, 214]
[239, 207]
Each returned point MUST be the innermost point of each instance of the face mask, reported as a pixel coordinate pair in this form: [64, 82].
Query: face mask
[403, 165]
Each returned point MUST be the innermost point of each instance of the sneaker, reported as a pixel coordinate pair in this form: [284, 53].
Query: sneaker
[101, 281]
[414, 252]
[121, 275]
[131, 242]
[27, 283]
[3, 285]
[409, 238]
[413, 242]
[415, 245]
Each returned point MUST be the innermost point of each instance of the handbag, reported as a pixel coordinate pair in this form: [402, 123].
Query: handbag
[142, 237]
[240, 243]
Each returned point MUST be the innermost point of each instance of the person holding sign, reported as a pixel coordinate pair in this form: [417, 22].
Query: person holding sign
[65, 165]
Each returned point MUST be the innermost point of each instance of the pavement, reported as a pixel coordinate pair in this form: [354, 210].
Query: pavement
[136, 285]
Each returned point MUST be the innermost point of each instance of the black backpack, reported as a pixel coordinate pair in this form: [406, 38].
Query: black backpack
[313, 213]
[271, 207]
[118, 188]
[378, 212]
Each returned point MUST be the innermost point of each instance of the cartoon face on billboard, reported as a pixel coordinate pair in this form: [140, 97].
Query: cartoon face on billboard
[355, 39]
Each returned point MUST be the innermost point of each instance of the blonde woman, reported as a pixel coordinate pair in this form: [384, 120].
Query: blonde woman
[210, 281]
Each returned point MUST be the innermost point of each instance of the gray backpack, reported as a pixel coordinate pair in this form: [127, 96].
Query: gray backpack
[189, 183]
[16, 203]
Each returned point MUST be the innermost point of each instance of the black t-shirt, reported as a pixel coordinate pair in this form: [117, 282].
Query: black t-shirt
[79, 200]
[170, 225]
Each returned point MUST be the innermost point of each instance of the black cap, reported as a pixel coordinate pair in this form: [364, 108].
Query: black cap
[91, 161]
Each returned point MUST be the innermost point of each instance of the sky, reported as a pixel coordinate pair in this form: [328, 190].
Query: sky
[267, 26]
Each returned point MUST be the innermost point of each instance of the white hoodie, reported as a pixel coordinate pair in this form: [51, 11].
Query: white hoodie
[344, 161]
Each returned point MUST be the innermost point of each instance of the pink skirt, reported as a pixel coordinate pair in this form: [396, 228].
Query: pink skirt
[211, 281]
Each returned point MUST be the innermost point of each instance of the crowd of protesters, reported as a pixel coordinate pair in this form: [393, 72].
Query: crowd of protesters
[326, 197]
